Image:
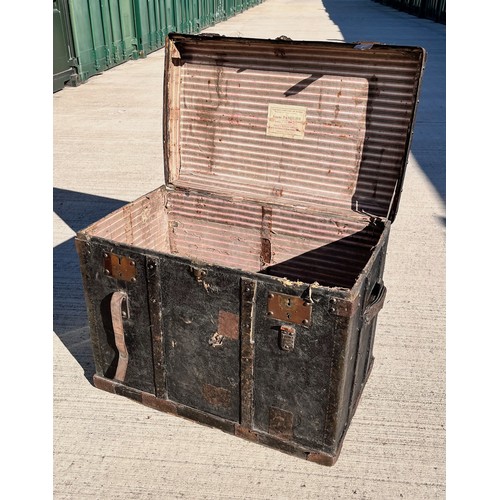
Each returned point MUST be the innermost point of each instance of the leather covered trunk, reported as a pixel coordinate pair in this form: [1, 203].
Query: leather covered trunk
[243, 293]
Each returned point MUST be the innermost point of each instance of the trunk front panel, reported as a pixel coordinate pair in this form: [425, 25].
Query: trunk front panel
[292, 387]
[201, 336]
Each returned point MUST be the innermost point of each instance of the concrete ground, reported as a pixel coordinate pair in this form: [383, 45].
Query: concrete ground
[108, 151]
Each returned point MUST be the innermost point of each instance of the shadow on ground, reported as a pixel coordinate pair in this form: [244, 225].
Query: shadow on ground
[77, 210]
[366, 20]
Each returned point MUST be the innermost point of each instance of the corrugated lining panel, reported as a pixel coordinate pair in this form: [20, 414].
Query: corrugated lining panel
[141, 223]
[302, 246]
[307, 247]
[358, 104]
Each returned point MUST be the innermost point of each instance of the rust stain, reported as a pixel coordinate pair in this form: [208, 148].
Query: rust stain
[220, 84]
[229, 325]
[216, 396]
[321, 458]
[265, 252]
[172, 239]
[128, 224]
[104, 384]
[246, 433]
[280, 423]
[159, 404]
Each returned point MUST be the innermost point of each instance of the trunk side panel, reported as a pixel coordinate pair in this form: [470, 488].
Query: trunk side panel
[98, 290]
[366, 330]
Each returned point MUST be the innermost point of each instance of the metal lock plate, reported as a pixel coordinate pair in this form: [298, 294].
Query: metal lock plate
[119, 267]
[289, 308]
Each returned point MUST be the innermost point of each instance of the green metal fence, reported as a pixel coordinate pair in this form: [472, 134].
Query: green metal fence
[430, 9]
[91, 36]
[63, 62]
[103, 34]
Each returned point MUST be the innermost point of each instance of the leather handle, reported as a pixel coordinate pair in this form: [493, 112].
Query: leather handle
[117, 309]
[375, 305]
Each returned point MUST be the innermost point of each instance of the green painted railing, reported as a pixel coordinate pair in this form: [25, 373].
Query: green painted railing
[100, 34]
[429, 9]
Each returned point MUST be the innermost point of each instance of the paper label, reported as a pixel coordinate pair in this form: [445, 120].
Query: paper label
[286, 121]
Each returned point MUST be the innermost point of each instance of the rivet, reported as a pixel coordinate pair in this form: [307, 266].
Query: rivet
[270, 313]
[132, 263]
[106, 255]
[271, 295]
[124, 314]
[247, 289]
[106, 271]
[133, 280]
[151, 266]
[305, 322]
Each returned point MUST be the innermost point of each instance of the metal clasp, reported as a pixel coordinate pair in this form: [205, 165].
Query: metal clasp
[287, 338]
[199, 274]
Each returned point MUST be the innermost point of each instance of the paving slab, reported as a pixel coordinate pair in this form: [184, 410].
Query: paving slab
[108, 151]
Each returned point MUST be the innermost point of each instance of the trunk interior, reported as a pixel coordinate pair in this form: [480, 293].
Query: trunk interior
[331, 250]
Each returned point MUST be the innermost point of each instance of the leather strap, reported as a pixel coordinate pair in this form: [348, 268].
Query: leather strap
[376, 303]
[117, 320]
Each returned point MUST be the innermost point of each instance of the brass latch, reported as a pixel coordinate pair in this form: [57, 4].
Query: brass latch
[289, 308]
